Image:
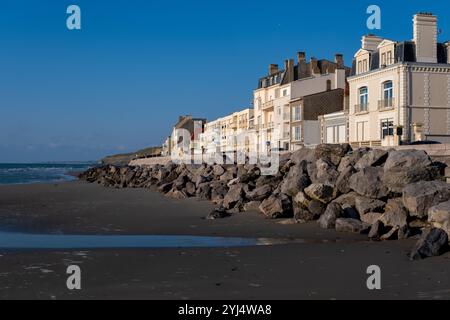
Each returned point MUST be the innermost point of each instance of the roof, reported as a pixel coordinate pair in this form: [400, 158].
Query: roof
[405, 51]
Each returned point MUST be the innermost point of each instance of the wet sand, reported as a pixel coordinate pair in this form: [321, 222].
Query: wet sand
[327, 265]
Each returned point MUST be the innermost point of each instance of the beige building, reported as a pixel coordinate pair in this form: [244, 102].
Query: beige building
[400, 91]
[228, 134]
[280, 121]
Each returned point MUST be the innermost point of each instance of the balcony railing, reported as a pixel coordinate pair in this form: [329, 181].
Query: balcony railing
[385, 104]
[267, 105]
[361, 108]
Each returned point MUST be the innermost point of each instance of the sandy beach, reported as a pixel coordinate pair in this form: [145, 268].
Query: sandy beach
[324, 265]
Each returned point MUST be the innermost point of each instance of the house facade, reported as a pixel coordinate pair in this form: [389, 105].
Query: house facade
[400, 91]
[278, 101]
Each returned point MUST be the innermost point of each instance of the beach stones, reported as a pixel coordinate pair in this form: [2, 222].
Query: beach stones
[433, 242]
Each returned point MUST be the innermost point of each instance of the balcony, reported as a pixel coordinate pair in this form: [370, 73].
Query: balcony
[362, 108]
[267, 105]
[386, 104]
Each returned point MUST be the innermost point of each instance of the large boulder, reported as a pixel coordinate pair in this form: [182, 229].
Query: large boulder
[364, 205]
[332, 213]
[371, 217]
[396, 179]
[395, 214]
[377, 230]
[295, 181]
[352, 158]
[204, 191]
[326, 172]
[218, 213]
[347, 198]
[343, 181]
[432, 243]
[372, 158]
[368, 182]
[259, 193]
[351, 225]
[332, 152]
[218, 191]
[421, 196]
[233, 196]
[303, 215]
[321, 192]
[301, 199]
[439, 216]
[400, 159]
[218, 170]
[277, 206]
[303, 154]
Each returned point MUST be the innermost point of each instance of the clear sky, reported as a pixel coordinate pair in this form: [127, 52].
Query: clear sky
[120, 83]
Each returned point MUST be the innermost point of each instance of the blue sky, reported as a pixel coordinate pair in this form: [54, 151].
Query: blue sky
[120, 83]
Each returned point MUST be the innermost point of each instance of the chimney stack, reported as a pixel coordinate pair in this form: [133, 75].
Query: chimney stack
[370, 42]
[425, 37]
[314, 66]
[301, 57]
[339, 60]
[273, 69]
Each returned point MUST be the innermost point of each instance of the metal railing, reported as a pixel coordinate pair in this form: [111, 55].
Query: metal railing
[361, 108]
[268, 104]
[386, 104]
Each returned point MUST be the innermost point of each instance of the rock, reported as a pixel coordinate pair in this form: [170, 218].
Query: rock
[304, 154]
[433, 242]
[397, 180]
[233, 196]
[372, 158]
[218, 191]
[377, 230]
[350, 212]
[233, 182]
[352, 158]
[332, 152]
[316, 208]
[368, 182]
[420, 224]
[302, 215]
[295, 181]
[404, 232]
[391, 234]
[259, 193]
[321, 192]
[343, 181]
[218, 170]
[190, 188]
[395, 214]
[301, 199]
[365, 205]
[252, 206]
[268, 180]
[419, 197]
[176, 194]
[227, 176]
[351, 225]
[181, 181]
[164, 188]
[400, 159]
[349, 198]
[326, 172]
[328, 219]
[371, 217]
[204, 191]
[218, 213]
[439, 216]
[251, 175]
[278, 206]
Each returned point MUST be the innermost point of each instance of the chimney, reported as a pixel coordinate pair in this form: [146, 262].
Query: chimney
[289, 69]
[339, 60]
[370, 42]
[314, 67]
[301, 57]
[273, 69]
[425, 37]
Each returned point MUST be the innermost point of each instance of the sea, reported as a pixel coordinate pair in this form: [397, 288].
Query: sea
[21, 173]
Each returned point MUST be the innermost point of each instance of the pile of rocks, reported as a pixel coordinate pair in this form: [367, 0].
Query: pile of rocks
[386, 194]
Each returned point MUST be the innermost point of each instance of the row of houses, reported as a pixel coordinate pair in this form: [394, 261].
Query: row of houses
[396, 92]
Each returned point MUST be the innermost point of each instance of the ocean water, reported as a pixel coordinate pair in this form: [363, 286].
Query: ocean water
[18, 173]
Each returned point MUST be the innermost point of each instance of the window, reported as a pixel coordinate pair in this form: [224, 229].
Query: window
[387, 90]
[387, 128]
[360, 67]
[284, 93]
[383, 59]
[336, 134]
[279, 111]
[389, 58]
[361, 131]
[296, 114]
[328, 85]
[277, 93]
[297, 133]
[363, 98]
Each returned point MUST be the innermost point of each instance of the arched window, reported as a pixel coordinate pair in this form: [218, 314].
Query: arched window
[363, 98]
